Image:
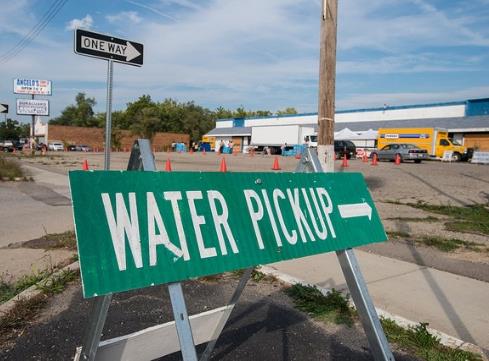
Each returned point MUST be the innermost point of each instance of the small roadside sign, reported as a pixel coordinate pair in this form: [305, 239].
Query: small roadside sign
[3, 108]
[138, 229]
[32, 86]
[32, 107]
[108, 47]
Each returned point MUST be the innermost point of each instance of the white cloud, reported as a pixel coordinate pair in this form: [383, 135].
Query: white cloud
[85, 23]
[124, 18]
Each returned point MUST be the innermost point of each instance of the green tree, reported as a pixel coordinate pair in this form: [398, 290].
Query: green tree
[13, 130]
[146, 123]
[81, 114]
[289, 110]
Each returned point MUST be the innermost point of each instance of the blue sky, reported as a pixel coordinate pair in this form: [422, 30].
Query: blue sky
[260, 54]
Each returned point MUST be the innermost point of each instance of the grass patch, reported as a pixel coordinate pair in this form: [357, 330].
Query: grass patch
[429, 219]
[56, 284]
[450, 244]
[469, 219]
[332, 307]
[419, 341]
[17, 318]
[256, 275]
[9, 290]
[397, 235]
[10, 169]
[65, 240]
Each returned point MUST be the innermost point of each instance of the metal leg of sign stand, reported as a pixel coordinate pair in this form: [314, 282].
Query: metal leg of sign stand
[98, 314]
[224, 319]
[354, 279]
[184, 331]
[142, 158]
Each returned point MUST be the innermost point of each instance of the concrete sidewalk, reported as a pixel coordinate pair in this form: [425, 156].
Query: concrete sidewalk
[452, 304]
[31, 209]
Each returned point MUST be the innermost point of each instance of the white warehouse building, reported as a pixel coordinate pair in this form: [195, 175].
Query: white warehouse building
[467, 122]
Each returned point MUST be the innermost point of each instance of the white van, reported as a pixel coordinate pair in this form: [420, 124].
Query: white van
[56, 146]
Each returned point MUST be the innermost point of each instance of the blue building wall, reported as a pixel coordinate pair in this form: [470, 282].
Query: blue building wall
[477, 107]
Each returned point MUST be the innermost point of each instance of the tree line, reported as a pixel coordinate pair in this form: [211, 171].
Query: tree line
[144, 117]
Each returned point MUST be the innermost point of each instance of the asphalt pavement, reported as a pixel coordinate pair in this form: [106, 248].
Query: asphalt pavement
[263, 326]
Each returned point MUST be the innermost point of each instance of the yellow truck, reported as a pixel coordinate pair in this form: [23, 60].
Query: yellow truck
[434, 140]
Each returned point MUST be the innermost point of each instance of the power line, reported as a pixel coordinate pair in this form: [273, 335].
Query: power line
[52, 11]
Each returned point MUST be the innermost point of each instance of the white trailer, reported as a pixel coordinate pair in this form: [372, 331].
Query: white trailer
[275, 136]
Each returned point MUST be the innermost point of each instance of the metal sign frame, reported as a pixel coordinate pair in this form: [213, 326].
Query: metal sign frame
[354, 279]
[142, 159]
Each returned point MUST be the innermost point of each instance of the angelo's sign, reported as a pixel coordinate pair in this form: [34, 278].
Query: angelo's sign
[137, 229]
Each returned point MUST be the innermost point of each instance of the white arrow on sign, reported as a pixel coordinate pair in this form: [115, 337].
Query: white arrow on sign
[355, 210]
[129, 51]
[3, 108]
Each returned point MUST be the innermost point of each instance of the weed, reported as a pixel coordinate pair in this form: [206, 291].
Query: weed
[429, 219]
[469, 219]
[53, 240]
[56, 283]
[10, 169]
[394, 234]
[9, 290]
[450, 244]
[332, 307]
[19, 316]
[419, 341]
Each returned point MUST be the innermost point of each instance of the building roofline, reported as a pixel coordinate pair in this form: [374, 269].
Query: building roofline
[393, 107]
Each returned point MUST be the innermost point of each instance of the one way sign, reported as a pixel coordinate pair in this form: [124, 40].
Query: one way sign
[108, 47]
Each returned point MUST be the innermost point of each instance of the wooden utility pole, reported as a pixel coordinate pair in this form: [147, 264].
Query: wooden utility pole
[327, 79]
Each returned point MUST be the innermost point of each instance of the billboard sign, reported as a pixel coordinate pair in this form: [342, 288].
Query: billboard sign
[32, 107]
[139, 229]
[32, 86]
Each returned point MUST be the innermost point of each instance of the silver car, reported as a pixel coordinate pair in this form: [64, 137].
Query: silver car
[404, 150]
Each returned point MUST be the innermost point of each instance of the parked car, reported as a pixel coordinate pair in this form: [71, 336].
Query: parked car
[71, 148]
[7, 146]
[405, 151]
[342, 147]
[56, 146]
[83, 148]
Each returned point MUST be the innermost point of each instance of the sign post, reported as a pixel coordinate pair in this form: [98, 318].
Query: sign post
[112, 49]
[30, 107]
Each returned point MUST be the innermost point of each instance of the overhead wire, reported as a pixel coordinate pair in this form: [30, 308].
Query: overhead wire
[48, 16]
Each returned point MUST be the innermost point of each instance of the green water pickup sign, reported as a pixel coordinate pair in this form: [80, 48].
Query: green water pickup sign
[139, 229]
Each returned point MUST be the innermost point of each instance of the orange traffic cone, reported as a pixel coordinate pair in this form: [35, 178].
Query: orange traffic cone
[168, 165]
[85, 165]
[374, 159]
[398, 159]
[344, 164]
[276, 166]
[191, 151]
[223, 167]
[298, 155]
